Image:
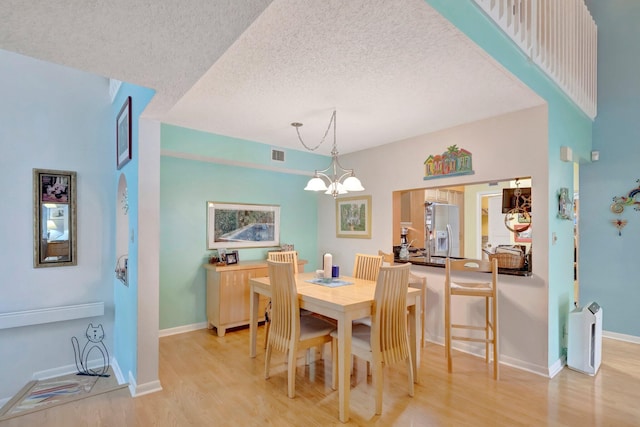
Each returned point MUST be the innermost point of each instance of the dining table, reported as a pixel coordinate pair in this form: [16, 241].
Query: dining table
[343, 299]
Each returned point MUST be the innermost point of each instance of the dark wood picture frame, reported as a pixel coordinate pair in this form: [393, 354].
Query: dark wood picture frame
[123, 134]
[232, 257]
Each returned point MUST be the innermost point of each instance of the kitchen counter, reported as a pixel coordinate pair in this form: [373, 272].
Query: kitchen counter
[437, 261]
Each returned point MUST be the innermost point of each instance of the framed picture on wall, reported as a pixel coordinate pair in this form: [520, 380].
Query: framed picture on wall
[123, 134]
[522, 234]
[241, 225]
[353, 217]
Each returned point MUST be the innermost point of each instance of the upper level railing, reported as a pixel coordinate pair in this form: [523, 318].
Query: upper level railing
[559, 36]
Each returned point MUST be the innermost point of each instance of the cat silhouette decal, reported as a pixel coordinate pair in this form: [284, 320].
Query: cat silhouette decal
[94, 336]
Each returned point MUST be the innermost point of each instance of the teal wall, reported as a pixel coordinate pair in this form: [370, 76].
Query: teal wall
[126, 298]
[185, 187]
[568, 126]
[607, 261]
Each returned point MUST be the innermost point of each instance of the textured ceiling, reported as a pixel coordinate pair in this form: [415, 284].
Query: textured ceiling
[391, 68]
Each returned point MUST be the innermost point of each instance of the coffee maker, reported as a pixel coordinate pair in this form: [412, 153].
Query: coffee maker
[403, 236]
[404, 243]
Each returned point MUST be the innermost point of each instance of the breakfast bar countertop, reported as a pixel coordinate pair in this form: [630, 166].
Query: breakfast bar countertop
[437, 261]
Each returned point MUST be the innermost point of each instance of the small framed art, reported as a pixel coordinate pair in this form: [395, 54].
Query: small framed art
[353, 217]
[123, 134]
[522, 234]
[232, 257]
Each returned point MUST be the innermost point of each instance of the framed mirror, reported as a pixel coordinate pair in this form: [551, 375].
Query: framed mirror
[54, 218]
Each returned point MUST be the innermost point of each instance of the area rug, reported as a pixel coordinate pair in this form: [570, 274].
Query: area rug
[43, 394]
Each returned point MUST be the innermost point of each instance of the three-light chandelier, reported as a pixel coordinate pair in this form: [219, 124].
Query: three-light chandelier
[335, 179]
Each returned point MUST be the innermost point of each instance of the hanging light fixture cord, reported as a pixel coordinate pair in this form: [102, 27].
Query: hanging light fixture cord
[333, 119]
[341, 180]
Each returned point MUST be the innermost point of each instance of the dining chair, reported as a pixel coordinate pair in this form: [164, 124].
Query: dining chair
[387, 339]
[291, 332]
[415, 281]
[386, 257]
[282, 256]
[367, 266]
[459, 284]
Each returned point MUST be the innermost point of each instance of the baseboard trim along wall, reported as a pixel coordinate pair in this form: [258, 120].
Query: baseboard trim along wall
[182, 329]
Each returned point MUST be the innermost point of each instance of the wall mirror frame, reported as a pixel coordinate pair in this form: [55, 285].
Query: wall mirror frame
[54, 218]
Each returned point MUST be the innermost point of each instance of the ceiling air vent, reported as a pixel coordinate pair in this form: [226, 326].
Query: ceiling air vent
[277, 155]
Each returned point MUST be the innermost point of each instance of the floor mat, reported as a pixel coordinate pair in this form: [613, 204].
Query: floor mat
[43, 394]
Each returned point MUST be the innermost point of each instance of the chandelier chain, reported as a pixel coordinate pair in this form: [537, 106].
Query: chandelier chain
[332, 121]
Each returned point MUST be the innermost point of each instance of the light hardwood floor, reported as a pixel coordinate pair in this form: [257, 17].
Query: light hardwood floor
[211, 381]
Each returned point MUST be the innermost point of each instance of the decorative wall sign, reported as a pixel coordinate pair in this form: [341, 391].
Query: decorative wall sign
[565, 204]
[619, 224]
[619, 202]
[454, 161]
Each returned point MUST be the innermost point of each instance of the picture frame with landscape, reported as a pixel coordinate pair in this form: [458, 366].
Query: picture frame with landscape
[242, 225]
[353, 217]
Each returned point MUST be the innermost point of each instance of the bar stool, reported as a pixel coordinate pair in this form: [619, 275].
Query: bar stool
[457, 283]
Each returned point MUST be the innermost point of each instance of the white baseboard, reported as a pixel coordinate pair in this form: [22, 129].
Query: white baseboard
[621, 337]
[504, 360]
[138, 390]
[117, 371]
[182, 329]
[65, 370]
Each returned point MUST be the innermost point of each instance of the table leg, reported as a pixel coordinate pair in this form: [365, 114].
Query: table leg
[254, 298]
[414, 337]
[344, 367]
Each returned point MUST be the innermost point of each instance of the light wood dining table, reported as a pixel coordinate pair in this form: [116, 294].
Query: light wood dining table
[344, 304]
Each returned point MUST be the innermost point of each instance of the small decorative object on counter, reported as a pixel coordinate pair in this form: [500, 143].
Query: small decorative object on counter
[335, 271]
[232, 257]
[327, 264]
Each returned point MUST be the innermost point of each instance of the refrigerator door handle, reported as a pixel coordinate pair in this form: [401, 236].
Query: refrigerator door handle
[449, 236]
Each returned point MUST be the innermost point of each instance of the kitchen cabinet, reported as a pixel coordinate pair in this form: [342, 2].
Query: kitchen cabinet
[228, 293]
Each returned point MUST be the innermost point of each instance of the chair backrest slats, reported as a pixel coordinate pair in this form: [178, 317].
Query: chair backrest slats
[285, 256]
[285, 310]
[386, 258]
[389, 326]
[367, 266]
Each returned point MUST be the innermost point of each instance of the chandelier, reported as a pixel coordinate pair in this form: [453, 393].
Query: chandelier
[335, 179]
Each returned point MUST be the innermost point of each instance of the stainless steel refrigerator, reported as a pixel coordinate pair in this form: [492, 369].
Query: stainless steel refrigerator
[442, 229]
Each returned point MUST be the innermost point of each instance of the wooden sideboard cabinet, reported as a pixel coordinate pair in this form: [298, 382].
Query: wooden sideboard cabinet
[228, 293]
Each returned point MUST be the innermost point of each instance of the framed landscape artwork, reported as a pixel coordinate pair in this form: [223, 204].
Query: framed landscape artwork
[353, 217]
[239, 225]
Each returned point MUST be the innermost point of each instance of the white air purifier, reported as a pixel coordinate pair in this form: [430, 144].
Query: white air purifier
[584, 350]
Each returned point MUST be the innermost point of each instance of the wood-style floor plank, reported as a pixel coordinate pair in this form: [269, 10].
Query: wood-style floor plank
[211, 381]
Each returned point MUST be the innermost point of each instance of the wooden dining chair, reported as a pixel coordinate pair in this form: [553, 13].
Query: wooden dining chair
[367, 266]
[415, 281]
[460, 284]
[282, 256]
[387, 339]
[291, 332]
